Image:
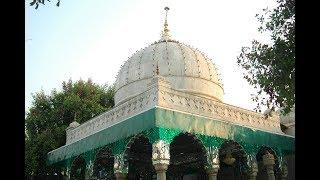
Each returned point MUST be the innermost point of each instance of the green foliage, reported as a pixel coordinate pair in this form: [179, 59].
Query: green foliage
[50, 115]
[270, 68]
[36, 3]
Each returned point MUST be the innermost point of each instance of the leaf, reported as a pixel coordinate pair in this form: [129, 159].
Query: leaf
[33, 2]
[270, 67]
[58, 3]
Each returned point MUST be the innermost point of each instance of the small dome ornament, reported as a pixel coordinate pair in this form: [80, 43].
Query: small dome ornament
[73, 125]
[157, 70]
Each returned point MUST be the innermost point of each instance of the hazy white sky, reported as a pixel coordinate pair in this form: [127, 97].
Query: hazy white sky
[92, 38]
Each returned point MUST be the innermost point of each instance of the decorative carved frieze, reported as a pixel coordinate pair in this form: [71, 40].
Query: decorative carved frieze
[161, 95]
[130, 108]
[208, 107]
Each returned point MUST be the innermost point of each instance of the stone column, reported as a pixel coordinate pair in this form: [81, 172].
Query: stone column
[212, 166]
[161, 170]
[160, 158]
[268, 162]
[89, 170]
[64, 175]
[284, 171]
[120, 167]
[120, 176]
[212, 173]
[252, 167]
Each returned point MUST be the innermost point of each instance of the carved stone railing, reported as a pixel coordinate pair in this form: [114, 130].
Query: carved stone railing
[132, 107]
[189, 103]
[159, 94]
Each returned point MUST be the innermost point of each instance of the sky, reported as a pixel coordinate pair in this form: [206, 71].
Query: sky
[92, 38]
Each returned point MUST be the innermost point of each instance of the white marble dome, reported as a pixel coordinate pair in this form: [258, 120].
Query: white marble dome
[185, 68]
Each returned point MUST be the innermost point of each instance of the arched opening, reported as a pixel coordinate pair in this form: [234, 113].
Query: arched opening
[187, 158]
[232, 161]
[103, 164]
[138, 155]
[78, 169]
[262, 172]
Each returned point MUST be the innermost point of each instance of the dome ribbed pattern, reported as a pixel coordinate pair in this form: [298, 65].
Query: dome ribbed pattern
[173, 60]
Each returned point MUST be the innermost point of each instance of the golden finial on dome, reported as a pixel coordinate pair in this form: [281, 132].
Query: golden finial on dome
[166, 20]
[165, 33]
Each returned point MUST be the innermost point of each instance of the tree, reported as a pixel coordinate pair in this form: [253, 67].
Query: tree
[49, 116]
[270, 68]
[37, 2]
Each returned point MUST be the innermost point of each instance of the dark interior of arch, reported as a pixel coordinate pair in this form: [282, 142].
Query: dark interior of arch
[262, 173]
[103, 164]
[236, 171]
[78, 169]
[139, 159]
[187, 159]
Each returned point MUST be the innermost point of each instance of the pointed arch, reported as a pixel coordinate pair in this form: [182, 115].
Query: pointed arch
[103, 163]
[187, 157]
[261, 170]
[133, 140]
[138, 154]
[233, 161]
[78, 168]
